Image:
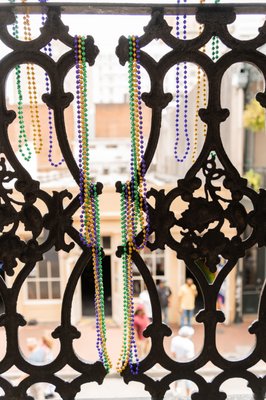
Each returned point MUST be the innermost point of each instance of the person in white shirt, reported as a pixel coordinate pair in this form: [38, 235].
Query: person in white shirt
[145, 300]
[182, 349]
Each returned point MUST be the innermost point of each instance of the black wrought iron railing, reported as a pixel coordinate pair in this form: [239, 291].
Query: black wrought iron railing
[201, 224]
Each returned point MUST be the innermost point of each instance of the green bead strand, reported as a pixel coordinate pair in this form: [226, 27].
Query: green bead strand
[215, 43]
[131, 211]
[91, 211]
[124, 270]
[100, 274]
[22, 137]
[134, 117]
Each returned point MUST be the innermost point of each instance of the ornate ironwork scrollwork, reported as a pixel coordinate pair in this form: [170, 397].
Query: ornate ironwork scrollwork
[200, 223]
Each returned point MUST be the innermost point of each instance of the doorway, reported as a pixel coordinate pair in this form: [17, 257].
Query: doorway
[254, 273]
[88, 289]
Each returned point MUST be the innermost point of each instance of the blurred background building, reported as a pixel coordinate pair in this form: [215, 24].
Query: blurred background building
[110, 155]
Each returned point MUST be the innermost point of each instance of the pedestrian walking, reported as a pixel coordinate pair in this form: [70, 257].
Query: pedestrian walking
[187, 295]
[145, 300]
[164, 293]
[141, 321]
[36, 356]
[47, 344]
[40, 353]
[182, 349]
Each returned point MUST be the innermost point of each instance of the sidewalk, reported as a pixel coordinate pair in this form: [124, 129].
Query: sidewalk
[233, 341]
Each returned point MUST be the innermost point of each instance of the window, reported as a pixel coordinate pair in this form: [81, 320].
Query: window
[43, 283]
[155, 262]
[123, 170]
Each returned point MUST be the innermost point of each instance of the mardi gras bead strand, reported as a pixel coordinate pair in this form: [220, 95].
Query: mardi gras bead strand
[129, 353]
[133, 207]
[32, 89]
[215, 56]
[48, 51]
[87, 198]
[201, 84]
[89, 202]
[140, 147]
[99, 293]
[123, 359]
[133, 357]
[22, 129]
[134, 125]
[215, 43]
[137, 165]
[185, 86]
[22, 138]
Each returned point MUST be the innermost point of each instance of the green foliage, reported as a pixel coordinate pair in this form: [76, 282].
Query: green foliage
[254, 117]
[210, 276]
[254, 179]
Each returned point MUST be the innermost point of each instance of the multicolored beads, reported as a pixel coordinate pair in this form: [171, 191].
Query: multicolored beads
[201, 86]
[133, 208]
[129, 353]
[48, 51]
[22, 138]
[185, 86]
[215, 43]
[89, 201]
[137, 162]
[32, 90]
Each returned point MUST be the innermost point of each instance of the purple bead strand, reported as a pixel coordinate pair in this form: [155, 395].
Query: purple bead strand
[48, 51]
[97, 300]
[80, 158]
[141, 144]
[185, 82]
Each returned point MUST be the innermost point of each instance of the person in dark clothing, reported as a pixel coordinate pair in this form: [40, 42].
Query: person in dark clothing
[164, 293]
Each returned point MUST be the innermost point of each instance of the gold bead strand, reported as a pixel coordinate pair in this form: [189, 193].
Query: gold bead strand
[200, 78]
[140, 205]
[132, 351]
[137, 197]
[89, 230]
[32, 89]
[89, 202]
[124, 357]
[204, 82]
